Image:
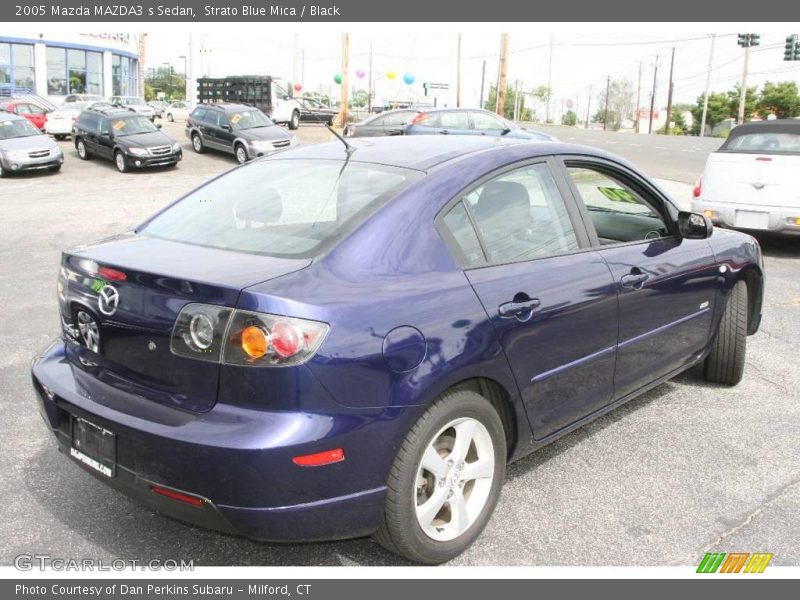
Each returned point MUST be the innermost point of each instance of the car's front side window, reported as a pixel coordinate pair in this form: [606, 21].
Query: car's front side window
[618, 213]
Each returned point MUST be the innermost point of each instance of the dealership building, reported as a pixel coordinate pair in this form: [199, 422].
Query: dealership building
[55, 66]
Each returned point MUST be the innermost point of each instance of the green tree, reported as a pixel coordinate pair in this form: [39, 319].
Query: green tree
[167, 80]
[508, 109]
[569, 118]
[780, 99]
[678, 126]
[719, 109]
[620, 103]
[359, 99]
[750, 103]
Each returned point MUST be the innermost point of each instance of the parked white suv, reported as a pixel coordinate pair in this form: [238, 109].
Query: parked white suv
[753, 181]
[136, 103]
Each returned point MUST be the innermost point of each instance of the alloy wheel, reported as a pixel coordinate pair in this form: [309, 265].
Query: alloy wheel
[89, 330]
[197, 143]
[454, 479]
[241, 155]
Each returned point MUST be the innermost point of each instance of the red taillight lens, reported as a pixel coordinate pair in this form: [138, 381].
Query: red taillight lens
[188, 121]
[764, 159]
[112, 274]
[698, 188]
[178, 496]
[319, 459]
[419, 118]
[285, 339]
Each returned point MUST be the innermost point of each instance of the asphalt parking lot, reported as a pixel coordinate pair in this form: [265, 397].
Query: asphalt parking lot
[685, 469]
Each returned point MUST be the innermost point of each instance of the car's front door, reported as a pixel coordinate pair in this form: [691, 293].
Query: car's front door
[487, 124]
[667, 285]
[107, 129]
[550, 298]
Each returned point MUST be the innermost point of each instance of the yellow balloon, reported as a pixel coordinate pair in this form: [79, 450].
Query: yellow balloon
[391, 75]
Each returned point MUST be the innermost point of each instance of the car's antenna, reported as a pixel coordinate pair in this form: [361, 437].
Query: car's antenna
[349, 148]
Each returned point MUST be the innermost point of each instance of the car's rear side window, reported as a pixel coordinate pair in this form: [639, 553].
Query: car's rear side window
[281, 207]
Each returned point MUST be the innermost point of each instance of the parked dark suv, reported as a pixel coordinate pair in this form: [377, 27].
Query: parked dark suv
[238, 129]
[128, 138]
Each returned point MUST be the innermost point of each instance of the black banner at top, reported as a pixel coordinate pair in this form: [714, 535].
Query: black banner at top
[343, 11]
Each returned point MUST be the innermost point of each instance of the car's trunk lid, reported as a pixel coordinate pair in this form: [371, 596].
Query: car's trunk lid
[160, 278]
[769, 180]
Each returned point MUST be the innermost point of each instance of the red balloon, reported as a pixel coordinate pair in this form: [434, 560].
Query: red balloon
[297, 87]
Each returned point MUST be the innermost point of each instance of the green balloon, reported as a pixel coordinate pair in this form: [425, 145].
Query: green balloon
[338, 79]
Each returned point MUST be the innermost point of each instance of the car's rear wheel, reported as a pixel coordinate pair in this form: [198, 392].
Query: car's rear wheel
[725, 363]
[445, 480]
[2, 172]
[241, 154]
[197, 143]
[83, 151]
[121, 162]
[294, 123]
[60, 136]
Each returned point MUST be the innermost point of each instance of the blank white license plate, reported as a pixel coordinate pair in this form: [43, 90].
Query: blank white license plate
[752, 220]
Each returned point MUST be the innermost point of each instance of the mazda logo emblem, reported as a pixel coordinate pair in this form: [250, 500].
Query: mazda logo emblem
[108, 300]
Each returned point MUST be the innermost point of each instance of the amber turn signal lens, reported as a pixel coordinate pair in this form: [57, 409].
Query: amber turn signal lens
[254, 341]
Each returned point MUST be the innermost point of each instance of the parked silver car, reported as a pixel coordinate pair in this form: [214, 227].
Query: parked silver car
[23, 147]
[136, 103]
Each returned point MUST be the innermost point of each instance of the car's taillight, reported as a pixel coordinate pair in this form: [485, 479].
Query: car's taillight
[188, 121]
[698, 188]
[237, 337]
[418, 119]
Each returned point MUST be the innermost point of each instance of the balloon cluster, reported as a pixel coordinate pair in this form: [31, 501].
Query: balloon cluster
[408, 78]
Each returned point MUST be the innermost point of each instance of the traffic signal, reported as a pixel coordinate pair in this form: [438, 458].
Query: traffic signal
[745, 40]
[792, 51]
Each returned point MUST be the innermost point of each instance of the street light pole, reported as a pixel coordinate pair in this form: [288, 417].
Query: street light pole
[708, 83]
[743, 91]
[653, 97]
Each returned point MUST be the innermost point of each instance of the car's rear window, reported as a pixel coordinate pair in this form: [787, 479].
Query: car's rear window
[765, 143]
[281, 207]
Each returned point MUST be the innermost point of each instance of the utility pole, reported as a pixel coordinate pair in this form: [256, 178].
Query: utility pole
[345, 84]
[548, 116]
[605, 115]
[669, 94]
[501, 82]
[458, 73]
[747, 40]
[588, 107]
[295, 60]
[708, 83]
[639, 98]
[516, 100]
[483, 82]
[369, 82]
[653, 97]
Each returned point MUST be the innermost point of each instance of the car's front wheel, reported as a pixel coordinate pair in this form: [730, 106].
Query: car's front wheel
[121, 162]
[445, 480]
[241, 154]
[725, 363]
[294, 123]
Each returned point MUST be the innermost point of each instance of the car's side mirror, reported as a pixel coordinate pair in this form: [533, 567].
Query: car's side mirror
[694, 226]
[227, 128]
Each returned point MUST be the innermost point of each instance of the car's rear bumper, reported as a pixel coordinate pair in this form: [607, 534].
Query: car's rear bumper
[779, 219]
[237, 461]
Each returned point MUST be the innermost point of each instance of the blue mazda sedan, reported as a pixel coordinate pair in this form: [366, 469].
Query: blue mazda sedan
[340, 341]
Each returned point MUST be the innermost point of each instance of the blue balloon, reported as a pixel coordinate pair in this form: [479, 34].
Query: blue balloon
[408, 78]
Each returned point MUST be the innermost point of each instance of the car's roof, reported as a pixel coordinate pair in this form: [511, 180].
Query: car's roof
[774, 125]
[424, 152]
[227, 106]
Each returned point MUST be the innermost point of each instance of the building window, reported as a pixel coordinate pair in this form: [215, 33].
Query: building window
[125, 75]
[72, 71]
[16, 65]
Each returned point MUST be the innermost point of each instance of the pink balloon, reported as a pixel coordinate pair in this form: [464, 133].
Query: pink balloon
[360, 73]
[298, 87]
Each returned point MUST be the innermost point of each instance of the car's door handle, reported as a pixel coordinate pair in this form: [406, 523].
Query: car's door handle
[634, 280]
[444, 132]
[521, 311]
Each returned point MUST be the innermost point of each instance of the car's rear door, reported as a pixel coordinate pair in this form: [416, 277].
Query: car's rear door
[549, 296]
[666, 285]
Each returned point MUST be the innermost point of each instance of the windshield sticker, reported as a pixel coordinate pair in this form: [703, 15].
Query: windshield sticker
[618, 195]
[118, 125]
[236, 118]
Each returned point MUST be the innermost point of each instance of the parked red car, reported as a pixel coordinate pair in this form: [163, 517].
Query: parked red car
[33, 112]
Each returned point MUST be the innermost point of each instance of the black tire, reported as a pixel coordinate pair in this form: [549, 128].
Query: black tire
[240, 153]
[400, 531]
[83, 151]
[197, 143]
[170, 118]
[55, 168]
[294, 122]
[121, 162]
[2, 172]
[725, 363]
[60, 136]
